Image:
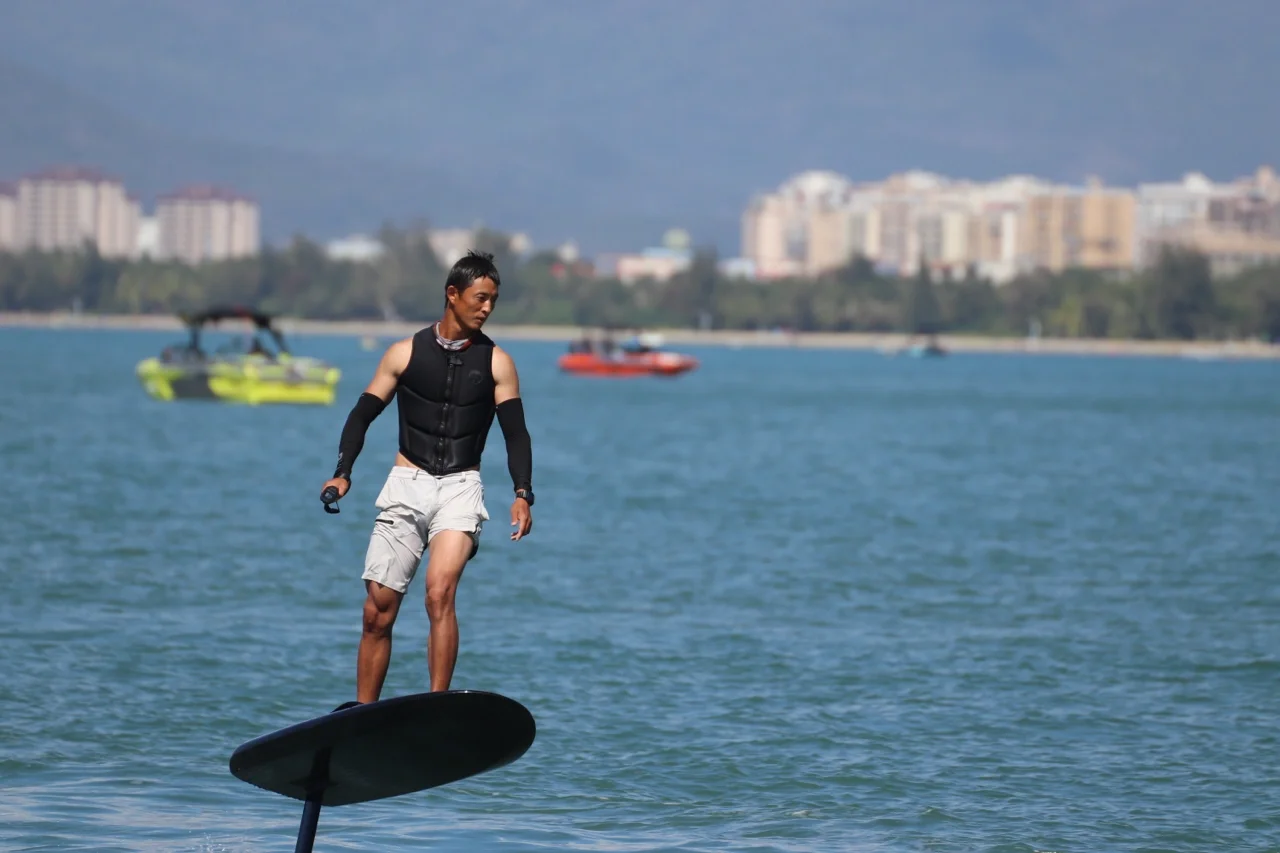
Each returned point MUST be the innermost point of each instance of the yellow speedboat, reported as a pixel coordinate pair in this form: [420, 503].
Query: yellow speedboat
[253, 375]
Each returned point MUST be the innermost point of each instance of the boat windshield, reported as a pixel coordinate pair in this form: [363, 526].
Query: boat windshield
[240, 346]
[639, 343]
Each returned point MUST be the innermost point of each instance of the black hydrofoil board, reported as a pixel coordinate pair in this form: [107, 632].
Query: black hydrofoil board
[388, 748]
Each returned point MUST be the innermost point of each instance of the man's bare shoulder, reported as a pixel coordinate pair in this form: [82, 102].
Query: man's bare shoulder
[506, 382]
[396, 358]
[502, 360]
[401, 348]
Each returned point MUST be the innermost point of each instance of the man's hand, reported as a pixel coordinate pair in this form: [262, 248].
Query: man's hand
[520, 518]
[339, 483]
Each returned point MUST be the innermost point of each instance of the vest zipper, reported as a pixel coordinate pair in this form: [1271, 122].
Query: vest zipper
[453, 361]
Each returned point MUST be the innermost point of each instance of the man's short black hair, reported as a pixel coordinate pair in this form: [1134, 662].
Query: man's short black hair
[471, 266]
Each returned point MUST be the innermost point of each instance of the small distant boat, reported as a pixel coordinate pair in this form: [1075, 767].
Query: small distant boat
[641, 355]
[256, 374]
[925, 351]
[929, 349]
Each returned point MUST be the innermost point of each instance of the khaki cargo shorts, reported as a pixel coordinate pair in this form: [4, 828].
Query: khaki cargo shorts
[414, 506]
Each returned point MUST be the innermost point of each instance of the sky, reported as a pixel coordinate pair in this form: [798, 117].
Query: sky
[609, 122]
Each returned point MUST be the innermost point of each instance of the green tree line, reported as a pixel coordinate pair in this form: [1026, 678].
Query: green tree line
[1176, 298]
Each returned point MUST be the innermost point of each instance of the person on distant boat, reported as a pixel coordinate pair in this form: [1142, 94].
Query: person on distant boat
[449, 381]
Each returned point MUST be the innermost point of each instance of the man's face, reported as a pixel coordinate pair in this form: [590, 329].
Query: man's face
[474, 305]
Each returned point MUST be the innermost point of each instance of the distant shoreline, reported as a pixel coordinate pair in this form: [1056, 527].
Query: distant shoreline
[685, 337]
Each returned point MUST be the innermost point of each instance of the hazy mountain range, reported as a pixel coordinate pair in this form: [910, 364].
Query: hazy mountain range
[608, 122]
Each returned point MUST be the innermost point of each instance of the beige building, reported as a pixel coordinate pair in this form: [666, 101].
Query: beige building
[654, 264]
[1252, 207]
[765, 238]
[945, 239]
[864, 231]
[837, 234]
[1235, 225]
[776, 227]
[995, 239]
[207, 223]
[921, 216]
[818, 221]
[8, 217]
[897, 240]
[1169, 212]
[1229, 251]
[829, 239]
[65, 208]
[1170, 207]
[907, 201]
[1092, 227]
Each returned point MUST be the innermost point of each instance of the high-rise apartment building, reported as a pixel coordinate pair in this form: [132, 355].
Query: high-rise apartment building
[8, 217]
[65, 208]
[206, 223]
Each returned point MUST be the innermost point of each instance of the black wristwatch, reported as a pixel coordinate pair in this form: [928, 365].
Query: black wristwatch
[527, 494]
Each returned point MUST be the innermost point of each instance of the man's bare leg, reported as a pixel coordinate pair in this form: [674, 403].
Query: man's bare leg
[448, 554]
[380, 608]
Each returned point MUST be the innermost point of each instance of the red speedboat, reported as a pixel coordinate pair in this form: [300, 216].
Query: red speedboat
[637, 357]
[627, 364]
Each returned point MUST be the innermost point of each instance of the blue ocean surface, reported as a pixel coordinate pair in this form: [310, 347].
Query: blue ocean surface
[796, 600]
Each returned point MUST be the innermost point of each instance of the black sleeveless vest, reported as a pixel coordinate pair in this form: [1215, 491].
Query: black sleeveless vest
[445, 400]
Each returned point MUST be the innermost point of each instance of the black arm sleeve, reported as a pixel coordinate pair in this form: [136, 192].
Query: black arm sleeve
[519, 447]
[362, 414]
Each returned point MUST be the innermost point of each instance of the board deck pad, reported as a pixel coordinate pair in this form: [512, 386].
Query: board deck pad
[388, 748]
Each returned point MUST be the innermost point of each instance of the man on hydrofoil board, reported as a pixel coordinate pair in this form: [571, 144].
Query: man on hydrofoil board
[449, 381]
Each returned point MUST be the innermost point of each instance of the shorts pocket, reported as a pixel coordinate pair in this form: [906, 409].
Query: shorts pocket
[395, 492]
[383, 500]
[478, 498]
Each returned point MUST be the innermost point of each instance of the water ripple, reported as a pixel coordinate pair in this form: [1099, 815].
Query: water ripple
[795, 601]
